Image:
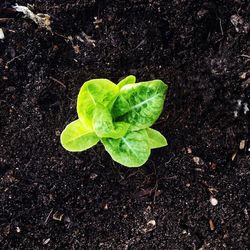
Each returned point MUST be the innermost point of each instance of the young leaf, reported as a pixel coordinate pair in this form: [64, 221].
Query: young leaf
[128, 80]
[156, 139]
[93, 92]
[76, 138]
[140, 104]
[132, 150]
[104, 126]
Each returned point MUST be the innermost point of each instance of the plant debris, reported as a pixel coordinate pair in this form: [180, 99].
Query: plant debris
[211, 225]
[42, 20]
[57, 216]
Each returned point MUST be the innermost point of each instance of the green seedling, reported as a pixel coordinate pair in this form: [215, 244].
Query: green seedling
[120, 117]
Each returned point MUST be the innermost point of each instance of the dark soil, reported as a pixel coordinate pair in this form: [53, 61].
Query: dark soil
[53, 199]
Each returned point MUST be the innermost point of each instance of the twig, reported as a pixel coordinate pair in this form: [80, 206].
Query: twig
[244, 55]
[221, 28]
[47, 218]
[13, 59]
[59, 82]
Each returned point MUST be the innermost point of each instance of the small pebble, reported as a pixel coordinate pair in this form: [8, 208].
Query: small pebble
[1, 34]
[243, 75]
[18, 229]
[58, 133]
[233, 156]
[151, 225]
[198, 160]
[213, 201]
[242, 144]
[45, 242]
[93, 176]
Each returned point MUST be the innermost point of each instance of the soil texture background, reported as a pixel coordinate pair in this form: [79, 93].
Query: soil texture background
[53, 199]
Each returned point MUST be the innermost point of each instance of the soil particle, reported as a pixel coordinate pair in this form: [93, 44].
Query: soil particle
[199, 48]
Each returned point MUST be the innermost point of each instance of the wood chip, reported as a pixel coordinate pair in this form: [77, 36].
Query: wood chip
[233, 156]
[211, 225]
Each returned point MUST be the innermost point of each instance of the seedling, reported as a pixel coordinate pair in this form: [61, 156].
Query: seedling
[120, 116]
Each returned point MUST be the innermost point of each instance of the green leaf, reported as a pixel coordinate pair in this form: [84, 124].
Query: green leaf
[104, 126]
[132, 150]
[128, 80]
[140, 104]
[156, 139]
[76, 138]
[93, 92]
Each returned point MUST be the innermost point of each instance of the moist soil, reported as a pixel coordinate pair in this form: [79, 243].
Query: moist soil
[54, 199]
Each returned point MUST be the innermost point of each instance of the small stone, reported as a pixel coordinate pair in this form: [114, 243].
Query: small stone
[242, 144]
[1, 34]
[57, 133]
[239, 23]
[198, 160]
[150, 226]
[202, 13]
[18, 229]
[189, 150]
[245, 108]
[77, 49]
[246, 214]
[243, 75]
[93, 176]
[151, 223]
[213, 201]
[45, 242]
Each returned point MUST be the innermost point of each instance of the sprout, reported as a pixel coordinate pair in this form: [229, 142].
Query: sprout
[120, 116]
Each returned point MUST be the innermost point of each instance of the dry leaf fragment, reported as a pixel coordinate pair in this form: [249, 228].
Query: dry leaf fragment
[42, 20]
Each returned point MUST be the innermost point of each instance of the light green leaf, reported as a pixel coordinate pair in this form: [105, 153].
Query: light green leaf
[76, 138]
[128, 80]
[140, 104]
[93, 92]
[132, 150]
[104, 126]
[156, 139]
